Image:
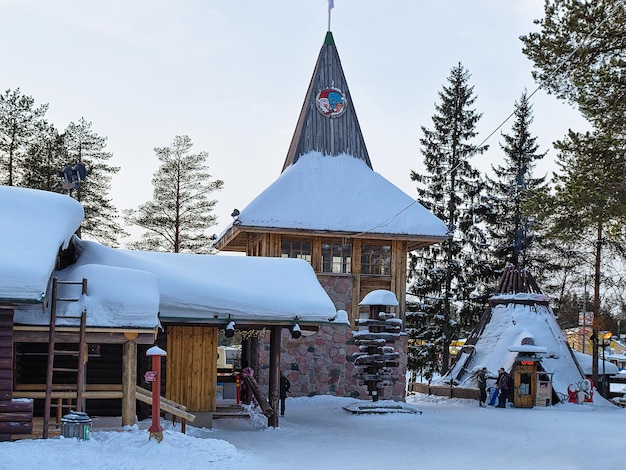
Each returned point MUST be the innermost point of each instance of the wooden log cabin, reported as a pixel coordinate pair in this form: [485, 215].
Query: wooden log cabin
[115, 303]
[330, 208]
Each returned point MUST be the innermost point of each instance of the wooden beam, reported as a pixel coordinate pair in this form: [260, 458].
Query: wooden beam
[166, 405]
[274, 371]
[129, 383]
[99, 394]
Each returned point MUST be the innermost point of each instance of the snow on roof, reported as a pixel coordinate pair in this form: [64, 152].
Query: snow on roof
[131, 288]
[586, 363]
[339, 193]
[212, 287]
[128, 288]
[380, 297]
[35, 225]
[509, 325]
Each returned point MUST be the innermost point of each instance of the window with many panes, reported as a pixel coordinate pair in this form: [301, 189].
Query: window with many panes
[296, 249]
[336, 257]
[375, 259]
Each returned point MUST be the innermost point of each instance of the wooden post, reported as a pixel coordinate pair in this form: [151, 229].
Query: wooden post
[155, 429]
[129, 382]
[274, 382]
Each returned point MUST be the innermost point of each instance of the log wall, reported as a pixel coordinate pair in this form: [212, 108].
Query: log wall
[16, 416]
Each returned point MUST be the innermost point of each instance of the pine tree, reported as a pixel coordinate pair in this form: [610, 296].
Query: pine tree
[46, 155]
[447, 279]
[589, 202]
[579, 56]
[84, 146]
[180, 212]
[18, 125]
[511, 227]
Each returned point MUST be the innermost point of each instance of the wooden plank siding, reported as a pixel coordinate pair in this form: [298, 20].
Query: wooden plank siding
[191, 366]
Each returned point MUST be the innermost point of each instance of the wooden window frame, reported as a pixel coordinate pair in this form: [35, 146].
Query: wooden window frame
[343, 254]
[376, 259]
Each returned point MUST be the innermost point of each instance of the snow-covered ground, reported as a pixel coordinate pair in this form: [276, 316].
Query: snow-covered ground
[317, 433]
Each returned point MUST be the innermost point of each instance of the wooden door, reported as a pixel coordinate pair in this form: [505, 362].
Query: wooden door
[191, 376]
[524, 383]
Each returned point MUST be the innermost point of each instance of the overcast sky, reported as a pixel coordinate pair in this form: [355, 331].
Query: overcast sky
[233, 76]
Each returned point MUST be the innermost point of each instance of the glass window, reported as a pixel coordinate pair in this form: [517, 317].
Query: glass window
[296, 249]
[336, 257]
[375, 259]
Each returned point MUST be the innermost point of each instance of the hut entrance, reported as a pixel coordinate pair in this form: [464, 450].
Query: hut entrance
[524, 383]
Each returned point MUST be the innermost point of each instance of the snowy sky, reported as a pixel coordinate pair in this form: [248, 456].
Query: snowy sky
[317, 433]
[233, 76]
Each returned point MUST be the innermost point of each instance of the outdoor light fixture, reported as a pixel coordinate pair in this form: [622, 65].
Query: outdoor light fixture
[229, 331]
[235, 216]
[296, 332]
[72, 176]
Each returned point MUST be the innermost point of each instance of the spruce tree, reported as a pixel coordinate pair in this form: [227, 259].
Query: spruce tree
[85, 146]
[180, 212]
[511, 223]
[447, 279]
[19, 118]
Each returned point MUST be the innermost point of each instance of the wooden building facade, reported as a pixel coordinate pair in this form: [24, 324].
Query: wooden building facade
[331, 209]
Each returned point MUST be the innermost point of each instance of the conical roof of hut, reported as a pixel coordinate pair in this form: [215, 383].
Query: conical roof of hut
[328, 123]
[517, 322]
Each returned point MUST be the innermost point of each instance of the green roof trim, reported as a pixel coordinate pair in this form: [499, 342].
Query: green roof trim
[329, 40]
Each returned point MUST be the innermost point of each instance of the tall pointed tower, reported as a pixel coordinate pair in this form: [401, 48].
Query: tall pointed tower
[330, 208]
[328, 122]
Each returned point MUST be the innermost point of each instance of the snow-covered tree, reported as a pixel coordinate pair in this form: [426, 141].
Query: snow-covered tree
[447, 279]
[180, 213]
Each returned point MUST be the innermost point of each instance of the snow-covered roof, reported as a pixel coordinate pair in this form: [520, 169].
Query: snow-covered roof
[130, 287]
[339, 194]
[35, 224]
[135, 288]
[586, 364]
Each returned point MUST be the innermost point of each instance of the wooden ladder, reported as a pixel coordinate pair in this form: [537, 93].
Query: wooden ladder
[81, 352]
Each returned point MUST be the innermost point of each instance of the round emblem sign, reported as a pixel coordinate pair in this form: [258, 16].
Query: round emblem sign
[331, 102]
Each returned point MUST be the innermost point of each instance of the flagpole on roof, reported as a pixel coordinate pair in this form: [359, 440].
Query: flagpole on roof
[331, 5]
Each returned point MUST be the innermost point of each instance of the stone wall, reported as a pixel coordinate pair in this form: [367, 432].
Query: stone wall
[322, 364]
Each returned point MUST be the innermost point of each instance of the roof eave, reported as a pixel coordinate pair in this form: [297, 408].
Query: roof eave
[234, 238]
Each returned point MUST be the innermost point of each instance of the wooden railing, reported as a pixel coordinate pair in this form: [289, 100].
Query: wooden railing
[101, 391]
[169, 406]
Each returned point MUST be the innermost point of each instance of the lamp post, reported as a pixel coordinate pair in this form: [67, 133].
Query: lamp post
[154, 376]
[604, 345]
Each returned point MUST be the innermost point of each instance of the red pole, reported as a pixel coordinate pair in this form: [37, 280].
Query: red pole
[154, 376]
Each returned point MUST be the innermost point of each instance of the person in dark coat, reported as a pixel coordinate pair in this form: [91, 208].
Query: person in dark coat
[481, 378]
[285, 385]
[502, 384]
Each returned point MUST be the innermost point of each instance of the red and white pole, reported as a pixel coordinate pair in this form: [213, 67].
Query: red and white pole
[154, 376]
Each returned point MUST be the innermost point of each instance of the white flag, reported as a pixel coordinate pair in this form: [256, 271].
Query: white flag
[331, 4]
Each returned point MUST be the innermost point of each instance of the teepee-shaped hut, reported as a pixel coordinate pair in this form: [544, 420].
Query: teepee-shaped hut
[517, 329]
